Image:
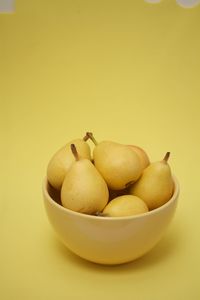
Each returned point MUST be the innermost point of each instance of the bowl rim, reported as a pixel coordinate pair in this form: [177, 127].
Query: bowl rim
[107, 218]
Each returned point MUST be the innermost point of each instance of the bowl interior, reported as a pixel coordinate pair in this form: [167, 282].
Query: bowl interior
[54, 197]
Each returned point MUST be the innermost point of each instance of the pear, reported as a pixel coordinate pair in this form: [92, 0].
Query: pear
[142, 155]
[84, 190]
[118, 164]
[126, 205]
[155, 186]
[62, 160]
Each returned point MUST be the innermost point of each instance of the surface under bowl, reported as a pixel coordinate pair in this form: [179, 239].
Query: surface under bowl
[108, 240]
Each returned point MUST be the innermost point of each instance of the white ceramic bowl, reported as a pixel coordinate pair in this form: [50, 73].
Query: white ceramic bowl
[108, 240]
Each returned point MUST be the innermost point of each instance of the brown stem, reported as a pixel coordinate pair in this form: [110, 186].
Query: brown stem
[101, 214]
[167, 155]
[128, 184]
[85, 138]
[90, 136]
[74, 151]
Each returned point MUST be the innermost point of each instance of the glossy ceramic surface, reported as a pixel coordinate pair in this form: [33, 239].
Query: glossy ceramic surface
[107, 240]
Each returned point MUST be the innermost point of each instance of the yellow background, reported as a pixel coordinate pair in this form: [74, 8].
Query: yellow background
[128, 71]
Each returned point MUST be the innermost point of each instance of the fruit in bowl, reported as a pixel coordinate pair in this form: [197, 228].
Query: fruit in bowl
[113, 206]
[62, 160]
[84, 189]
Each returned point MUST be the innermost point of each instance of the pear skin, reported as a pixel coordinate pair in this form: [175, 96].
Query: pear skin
[142, 155]
[156, 185]
[62, 160]
[118, 164]
[84, 190]
[126, 205]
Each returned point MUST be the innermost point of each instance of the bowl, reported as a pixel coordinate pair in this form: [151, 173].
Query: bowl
[108, 240]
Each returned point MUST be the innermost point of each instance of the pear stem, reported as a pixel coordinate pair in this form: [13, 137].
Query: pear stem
[101, 214]
[128, 184]
[167, 155]
[85, 138]
[90, 136]
[74, 151]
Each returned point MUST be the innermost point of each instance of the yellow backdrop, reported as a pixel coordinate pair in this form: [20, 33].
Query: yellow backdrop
[128, 71]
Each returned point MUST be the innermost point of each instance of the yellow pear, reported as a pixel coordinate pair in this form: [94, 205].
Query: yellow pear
[118, 164]
[142, 155]
[155, 186]
[126, 205]
[84, 189]
[62, 160]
